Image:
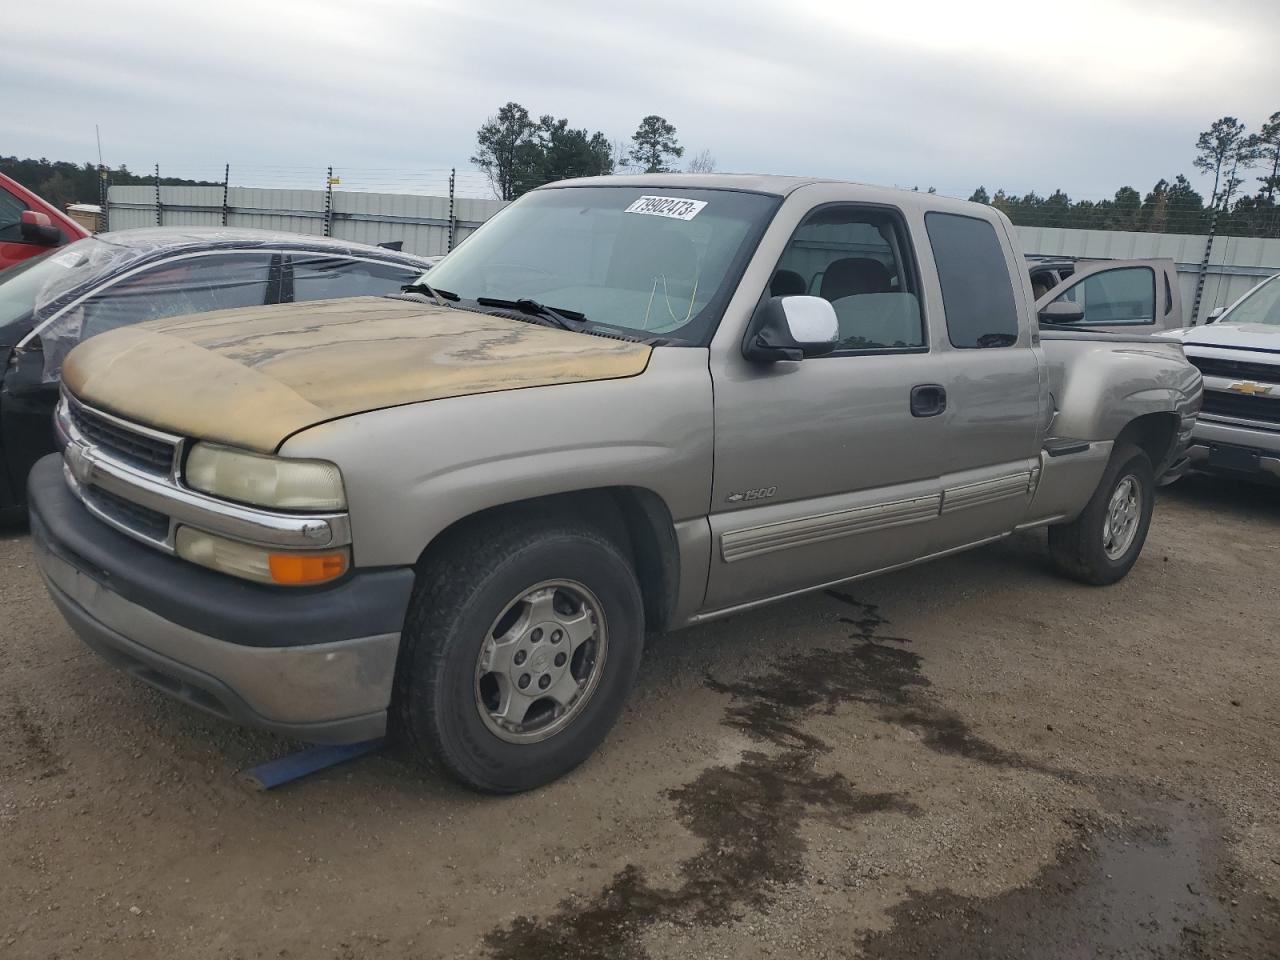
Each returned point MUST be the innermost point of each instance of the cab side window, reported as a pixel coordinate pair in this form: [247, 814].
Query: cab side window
[857, 259]
[194, 285]
[11, 209]
[977, 290]
[1123, 296]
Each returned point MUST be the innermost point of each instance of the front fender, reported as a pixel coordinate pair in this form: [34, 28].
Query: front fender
[412, 471]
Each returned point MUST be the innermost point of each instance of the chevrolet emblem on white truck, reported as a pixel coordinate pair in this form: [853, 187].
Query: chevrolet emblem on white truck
[1249, 388]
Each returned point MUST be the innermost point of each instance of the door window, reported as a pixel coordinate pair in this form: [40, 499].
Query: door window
[11, 209]
[177, 288]
[1122, 296]
[857, 259]
[977, 291]
[329, 278]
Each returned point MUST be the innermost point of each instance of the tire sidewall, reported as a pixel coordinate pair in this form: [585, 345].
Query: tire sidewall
[1135, 463]
[471, 749]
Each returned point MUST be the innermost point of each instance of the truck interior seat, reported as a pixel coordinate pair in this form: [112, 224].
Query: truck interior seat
[879, 320]
[787, 283]
[853, 276]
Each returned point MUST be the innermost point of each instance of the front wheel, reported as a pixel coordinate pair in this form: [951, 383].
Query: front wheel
[1102, 544]
[521, 645]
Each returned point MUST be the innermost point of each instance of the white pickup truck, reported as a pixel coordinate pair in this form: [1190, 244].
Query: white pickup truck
[1238, 352]
[626, 404]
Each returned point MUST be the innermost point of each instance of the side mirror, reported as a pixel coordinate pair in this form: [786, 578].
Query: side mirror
[791, 328]
[1215, 314]
[1061, 311]
[38, 228]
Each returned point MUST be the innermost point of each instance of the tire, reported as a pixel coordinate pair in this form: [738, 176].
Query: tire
[474, 592]
[1080, 550]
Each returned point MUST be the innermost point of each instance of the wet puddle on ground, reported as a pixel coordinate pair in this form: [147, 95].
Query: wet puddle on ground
[1143, 877]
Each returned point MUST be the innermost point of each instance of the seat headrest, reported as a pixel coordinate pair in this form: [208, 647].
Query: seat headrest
[853, 276]
[787, 283]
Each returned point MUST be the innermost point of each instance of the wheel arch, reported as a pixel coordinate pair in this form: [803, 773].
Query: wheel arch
[636, 519]
[1153, 433]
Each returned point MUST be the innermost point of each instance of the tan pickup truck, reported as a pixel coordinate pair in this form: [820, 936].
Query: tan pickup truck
[626, 404]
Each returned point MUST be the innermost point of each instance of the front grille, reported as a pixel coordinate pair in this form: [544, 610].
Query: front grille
[142, 520]
[1237, 369]
[1219, 403]
[146, 453]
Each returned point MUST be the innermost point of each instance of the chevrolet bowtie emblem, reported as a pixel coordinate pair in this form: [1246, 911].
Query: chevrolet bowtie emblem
[1249, 388]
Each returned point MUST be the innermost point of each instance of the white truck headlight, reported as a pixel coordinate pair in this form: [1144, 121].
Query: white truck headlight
[279, 482]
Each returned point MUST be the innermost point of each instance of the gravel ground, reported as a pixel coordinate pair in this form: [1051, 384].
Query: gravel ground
[970, 759]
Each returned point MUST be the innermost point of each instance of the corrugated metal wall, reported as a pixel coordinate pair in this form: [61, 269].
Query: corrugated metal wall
[422, 223]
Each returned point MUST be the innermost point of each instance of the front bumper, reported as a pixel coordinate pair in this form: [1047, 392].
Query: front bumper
[1236, 450]
[312, 664]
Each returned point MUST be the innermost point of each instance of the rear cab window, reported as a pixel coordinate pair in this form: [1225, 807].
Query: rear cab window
[977, 289]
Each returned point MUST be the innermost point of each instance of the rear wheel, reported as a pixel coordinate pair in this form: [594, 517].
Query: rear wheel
[1102, 544]
[522, 643]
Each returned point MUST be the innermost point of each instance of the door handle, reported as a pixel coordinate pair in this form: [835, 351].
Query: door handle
[928, 400]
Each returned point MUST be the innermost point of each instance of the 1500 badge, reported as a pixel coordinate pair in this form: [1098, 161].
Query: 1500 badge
[759, 493]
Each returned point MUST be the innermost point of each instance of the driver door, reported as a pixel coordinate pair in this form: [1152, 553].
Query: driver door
[829, 467]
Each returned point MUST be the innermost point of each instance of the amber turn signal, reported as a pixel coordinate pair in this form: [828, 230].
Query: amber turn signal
[300, 568]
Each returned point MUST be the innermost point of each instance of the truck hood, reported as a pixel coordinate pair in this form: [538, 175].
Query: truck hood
[1246, 336]
[252, 377]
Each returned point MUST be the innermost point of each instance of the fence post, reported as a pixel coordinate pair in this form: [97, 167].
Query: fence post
[453, 172]
[159, 208]
[328, 201]
[226, 183]
[1204, 267]
[104, 198]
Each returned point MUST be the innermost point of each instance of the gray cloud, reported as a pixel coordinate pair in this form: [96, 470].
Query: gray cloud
[1085, 97]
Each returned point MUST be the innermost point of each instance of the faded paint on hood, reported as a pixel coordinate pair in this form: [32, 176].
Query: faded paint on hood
[252, 377]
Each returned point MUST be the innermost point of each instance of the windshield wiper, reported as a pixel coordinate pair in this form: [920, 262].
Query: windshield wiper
[564, 319]
[439, 296]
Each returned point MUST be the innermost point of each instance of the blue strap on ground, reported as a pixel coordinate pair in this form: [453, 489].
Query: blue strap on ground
[273, 773]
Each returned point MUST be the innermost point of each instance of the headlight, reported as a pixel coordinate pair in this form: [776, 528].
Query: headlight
[259, 563]
[278, 482]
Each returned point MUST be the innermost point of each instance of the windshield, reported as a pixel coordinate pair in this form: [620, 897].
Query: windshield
[650, 261]
[1260, 306]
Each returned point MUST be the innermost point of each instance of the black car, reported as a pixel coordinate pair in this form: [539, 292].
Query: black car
[51, 303]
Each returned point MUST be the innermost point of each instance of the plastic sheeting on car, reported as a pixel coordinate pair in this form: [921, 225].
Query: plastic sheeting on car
[116, 279]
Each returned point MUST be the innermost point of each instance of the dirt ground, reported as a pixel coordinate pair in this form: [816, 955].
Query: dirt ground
[971, 759]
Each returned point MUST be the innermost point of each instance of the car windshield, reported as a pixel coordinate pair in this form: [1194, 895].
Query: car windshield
[650, 261]
[1260, 306]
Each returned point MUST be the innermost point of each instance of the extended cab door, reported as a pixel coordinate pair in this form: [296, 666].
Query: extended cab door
[998, 399]
[828, 467]
[1127, 296]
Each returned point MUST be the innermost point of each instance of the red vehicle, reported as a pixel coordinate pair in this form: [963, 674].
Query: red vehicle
[29, 226]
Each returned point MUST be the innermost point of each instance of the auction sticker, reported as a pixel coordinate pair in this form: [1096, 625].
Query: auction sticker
[676, 208]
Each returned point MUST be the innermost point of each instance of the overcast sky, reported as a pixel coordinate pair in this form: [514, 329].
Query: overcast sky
[1086, 95]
